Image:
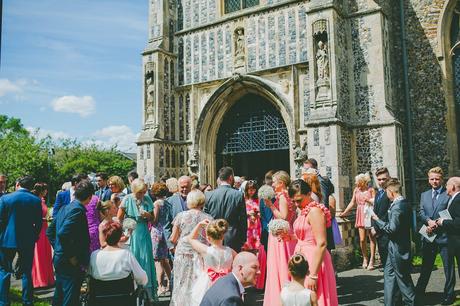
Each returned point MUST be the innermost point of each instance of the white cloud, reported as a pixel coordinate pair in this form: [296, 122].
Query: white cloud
[8, 87]
[84, 106]
[42, 133]
[120, 135]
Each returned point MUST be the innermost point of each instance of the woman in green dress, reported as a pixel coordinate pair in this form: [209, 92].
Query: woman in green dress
[139, 207]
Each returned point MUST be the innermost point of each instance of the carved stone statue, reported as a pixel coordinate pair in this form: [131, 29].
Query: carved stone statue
[322, 61]
[193, 162]
[150, 105]
[239, 48]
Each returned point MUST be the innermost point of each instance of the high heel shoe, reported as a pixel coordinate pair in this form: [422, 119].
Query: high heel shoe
[364, 263]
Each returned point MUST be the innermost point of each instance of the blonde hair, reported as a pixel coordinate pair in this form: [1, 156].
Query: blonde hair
[216, 229]
[393, 185]
[195, 199]
[437, 170]
[104, 206]
[282, 176]
[117, 181]
[172, 184]
[362, 179]
[138, 185]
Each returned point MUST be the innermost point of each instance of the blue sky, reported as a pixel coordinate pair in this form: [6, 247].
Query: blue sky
[73, 68]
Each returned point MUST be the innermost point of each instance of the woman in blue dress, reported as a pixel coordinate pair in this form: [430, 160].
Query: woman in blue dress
[139, 207]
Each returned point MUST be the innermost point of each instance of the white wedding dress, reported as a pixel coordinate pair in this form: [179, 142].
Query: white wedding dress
[218, 261]
[291, 297]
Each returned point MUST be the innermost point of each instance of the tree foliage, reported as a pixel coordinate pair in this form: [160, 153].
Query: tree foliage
[52, 162]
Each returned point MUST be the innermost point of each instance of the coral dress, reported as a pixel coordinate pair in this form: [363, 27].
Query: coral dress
[42, 268]
[253, 238]
[278, 255]
[361, 197]
[306, 244]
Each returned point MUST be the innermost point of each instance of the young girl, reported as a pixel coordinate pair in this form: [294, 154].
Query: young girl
[217, 258]
[294, 293]
[107, 211]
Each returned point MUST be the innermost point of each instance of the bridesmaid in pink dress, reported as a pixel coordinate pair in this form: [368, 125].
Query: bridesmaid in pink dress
[279, 251]
[252, 243]
[363, 195]
[42, 268]
[310, 234]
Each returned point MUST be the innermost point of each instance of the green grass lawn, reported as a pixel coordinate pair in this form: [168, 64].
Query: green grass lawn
[15, 296]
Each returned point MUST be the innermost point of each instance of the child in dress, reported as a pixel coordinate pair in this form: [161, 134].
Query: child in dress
[107, 210]
[294, 293]
[217, 258]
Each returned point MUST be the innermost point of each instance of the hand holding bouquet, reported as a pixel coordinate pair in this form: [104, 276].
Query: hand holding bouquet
[278, 227]
[266, 193]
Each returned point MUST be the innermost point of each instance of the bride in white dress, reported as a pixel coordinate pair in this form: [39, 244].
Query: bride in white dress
[217, 258]
[294, 293]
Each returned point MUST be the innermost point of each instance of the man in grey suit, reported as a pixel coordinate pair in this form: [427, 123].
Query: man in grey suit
[432, 202]
[228, 290]
[228, 203]
[397, 267]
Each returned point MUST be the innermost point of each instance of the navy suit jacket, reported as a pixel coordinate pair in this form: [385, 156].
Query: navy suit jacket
[68, 234]
[452, 227]
[381, 207]
[104, 194]
[63, 198]
[427, 212]
[20, 219]
[225, 292]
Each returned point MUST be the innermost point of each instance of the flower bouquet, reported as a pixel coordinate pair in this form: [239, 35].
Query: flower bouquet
[278, 226]
[266, 193]
[129, 225]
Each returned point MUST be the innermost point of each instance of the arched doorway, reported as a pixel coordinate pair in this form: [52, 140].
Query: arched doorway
[253, 138]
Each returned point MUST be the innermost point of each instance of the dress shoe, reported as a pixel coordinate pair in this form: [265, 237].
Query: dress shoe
[449, 301]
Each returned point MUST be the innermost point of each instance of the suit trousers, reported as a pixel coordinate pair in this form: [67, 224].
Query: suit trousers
[24, 269]
[454, 252]
[67, 287]
[394, 279]
[382, 242]
[429, 252]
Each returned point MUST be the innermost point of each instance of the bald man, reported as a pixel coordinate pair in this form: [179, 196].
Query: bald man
[452, 227]
[229, 290]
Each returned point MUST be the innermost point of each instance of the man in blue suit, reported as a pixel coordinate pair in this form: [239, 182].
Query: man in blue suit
[20, 225]
[67, 196]
[432, 202]
[104, 192]
[68, 234]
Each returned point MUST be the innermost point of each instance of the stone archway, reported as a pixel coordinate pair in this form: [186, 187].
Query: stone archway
[212, 114]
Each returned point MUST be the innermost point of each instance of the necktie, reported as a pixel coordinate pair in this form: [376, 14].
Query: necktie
[380, 195]
[433, 199]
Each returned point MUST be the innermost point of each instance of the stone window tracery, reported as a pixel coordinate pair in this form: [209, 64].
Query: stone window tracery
[187, 116]
[148, 152]
[173, 117]
[181, 118]
[161, 159]
[231, 6]
[168, 158]
[173, 158]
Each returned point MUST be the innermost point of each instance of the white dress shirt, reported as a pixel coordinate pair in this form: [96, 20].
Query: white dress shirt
[107, 265]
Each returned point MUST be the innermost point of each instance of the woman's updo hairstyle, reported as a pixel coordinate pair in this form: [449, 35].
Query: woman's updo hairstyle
[298, 186]
[216, 229]
[104, 206]
[112, 232]
[298, 266]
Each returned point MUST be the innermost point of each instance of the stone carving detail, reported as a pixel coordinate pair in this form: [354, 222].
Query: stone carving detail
[149, 122]
[300, 154]
[320, 38]
[240, 53]
[316, 137]
[193, 162]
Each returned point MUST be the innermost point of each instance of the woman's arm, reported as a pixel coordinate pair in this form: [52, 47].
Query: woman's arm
[350, 205]
[175, 234]
[197, 245]
[121, 214]
[102, 241]
[156, 210]
[317, 221]
[281, 213]
[139, 274]
[313, 298]
[332, 205]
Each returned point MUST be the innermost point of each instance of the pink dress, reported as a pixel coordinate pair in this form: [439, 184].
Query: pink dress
[42, 268]
[253, 238]
[361, 197]
[278, 255]
[306, 244]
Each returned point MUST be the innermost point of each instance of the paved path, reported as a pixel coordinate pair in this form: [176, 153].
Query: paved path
[355, 287]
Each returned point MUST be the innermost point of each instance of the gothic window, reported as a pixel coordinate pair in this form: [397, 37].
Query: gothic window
[162, 157]
[166, 75]
[231, 6]
[173, 158]
[181, 118]
[148, 151]
[168, 158]
[180, 15]
[171, 74]
[166, 117]
[180, 61]
[187, 116]
[171, 36]
[173, 117]
[141, 152]
[182, 158]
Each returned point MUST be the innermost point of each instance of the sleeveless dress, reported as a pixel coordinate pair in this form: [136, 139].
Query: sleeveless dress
[306, 244]
[92, 215]
[140, 242]
[361, 197]
[278, 255]
[160, 248]
[42, 268]
[295, 298]
[217, 263]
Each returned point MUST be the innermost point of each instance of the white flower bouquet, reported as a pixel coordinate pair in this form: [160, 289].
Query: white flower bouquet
[129, 225]
[278, 226]
[266, 192]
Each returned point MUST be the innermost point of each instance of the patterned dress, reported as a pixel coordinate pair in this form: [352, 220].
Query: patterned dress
[361, 197]
[92, 215]
[187, 262]
[140, 242]
[159, 246]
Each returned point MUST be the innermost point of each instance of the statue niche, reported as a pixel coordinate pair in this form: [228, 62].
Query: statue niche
[239, 61]
[149, 83]
[322, 58]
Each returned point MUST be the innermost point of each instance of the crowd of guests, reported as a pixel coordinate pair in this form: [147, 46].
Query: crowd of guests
[207, 245]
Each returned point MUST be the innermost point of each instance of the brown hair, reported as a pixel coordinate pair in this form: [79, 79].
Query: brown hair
[393, 184]
[312, 180]
[298, 266]
[160, 190]
[382, 170]
[249, 185]
[39, 188]
[216, 229]
[104, 206]
[112, 232]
